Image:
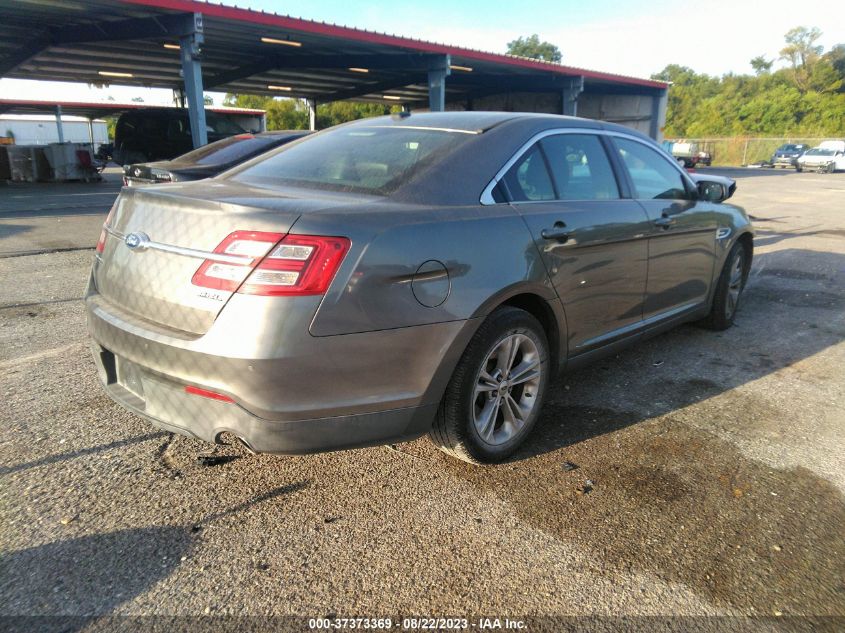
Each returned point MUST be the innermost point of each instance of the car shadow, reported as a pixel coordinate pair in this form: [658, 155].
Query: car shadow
[629, 457]
[690, 364]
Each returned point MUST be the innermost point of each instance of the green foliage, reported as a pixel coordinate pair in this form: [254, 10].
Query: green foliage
[807, 97]
[292, 114]
[761, 65]
[532, 47]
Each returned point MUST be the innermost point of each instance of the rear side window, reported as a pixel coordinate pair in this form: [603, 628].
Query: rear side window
[361, 159]
[653, 175]
[529, 180]
[580, 167]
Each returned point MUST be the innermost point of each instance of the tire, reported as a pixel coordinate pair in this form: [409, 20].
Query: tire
[729, 289]
[798, 168]
[484, 417]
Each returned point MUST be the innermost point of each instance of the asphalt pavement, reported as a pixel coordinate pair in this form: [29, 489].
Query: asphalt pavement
[697, 473]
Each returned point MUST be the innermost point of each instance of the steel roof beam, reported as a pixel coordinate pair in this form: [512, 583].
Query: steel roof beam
[373, 88]
[22, 56]
[299, 61]
[175, 25]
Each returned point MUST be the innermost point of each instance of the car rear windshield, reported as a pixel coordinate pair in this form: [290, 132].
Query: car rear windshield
[227, 150]
[373, 159]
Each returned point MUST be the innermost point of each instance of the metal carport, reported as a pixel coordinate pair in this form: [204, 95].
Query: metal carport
[192, 46]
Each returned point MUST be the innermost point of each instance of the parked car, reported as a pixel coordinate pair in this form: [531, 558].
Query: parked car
[149, 134]
[787, 154]
[829, 156]
[404, 275]
[208, 160]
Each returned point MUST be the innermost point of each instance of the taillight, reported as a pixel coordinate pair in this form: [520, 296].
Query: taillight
[228, 275]
[279, 265]
[299, 265]
[101, 243]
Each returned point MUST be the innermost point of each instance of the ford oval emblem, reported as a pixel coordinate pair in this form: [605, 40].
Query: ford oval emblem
[136, 241]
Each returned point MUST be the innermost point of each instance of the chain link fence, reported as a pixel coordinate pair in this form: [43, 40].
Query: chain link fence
[744, 150]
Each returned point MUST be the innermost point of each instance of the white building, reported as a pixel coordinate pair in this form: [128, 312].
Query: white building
[42, 130]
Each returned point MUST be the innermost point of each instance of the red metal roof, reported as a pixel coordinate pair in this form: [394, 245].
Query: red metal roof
[371, 37]
[135, 43]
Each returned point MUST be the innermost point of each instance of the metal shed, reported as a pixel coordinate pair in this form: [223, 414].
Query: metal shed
[192, 46]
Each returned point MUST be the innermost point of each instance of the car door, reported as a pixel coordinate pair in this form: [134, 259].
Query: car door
[593, 240]
[682, 231]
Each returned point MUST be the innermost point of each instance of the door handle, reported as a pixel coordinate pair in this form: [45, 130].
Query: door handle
[664, 222]
[557, 233]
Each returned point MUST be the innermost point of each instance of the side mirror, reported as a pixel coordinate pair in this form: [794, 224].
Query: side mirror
[713, 191]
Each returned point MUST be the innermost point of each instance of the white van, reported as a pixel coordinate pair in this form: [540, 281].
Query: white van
[829, 156]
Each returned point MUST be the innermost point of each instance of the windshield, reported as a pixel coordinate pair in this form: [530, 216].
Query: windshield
[375, 160]
[229, 149]
[790, 148]
[221, 125]
[817, 151]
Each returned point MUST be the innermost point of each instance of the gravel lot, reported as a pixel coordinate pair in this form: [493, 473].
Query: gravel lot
[696, 473]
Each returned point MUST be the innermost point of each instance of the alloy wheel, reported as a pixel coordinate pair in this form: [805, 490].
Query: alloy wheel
[506, 388]
[735, 284]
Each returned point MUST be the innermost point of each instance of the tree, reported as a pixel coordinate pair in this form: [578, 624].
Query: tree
[807, 98]
[138, 99]
[208, 100]
[761, 65]
[292, 114]
[802, 53]
[836, 57]
[532, 47]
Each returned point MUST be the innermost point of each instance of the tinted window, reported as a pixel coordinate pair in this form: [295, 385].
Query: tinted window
[529, 178]
[220, 124]
[232, 148]
[580, 167]
[365, 159]
[653, 175]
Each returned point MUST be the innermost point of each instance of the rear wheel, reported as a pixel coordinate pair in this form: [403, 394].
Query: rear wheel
[496, 392]
[728, 289]
[798, 168]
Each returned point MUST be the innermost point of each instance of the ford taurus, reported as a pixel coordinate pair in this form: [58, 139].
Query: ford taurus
[413, 274]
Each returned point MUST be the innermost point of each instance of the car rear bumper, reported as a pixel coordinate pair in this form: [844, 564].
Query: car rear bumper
[165, 404]
[312, 394]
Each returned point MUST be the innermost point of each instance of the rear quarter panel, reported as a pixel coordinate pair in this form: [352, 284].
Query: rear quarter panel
[486, 251]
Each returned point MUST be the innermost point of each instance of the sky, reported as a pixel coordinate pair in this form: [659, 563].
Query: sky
[631, 38]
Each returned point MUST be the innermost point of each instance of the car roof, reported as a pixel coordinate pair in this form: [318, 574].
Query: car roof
[479, 122]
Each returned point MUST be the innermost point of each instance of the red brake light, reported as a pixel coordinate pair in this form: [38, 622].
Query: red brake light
[291, 265]
[101, 243]
[227, 276]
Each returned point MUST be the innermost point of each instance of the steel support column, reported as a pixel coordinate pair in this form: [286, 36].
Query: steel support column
[437, 73]
[658, 115]
[312, 114]
[190, 50]
[569, 96]
[59, 126]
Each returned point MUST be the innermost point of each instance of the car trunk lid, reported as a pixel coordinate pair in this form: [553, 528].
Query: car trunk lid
[159, 236]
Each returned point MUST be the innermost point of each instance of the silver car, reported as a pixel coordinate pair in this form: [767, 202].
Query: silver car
[392, 277]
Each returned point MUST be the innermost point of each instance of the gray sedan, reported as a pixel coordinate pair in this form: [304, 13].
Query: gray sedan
[392, 277]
